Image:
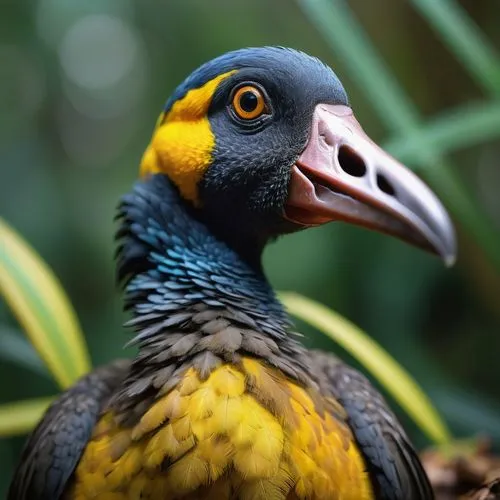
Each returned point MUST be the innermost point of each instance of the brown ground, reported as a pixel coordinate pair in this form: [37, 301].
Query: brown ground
[469, 472]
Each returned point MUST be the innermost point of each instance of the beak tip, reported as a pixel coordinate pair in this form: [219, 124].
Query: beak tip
[448, 250]
[441, 241]
[450, 253]
[449, 260]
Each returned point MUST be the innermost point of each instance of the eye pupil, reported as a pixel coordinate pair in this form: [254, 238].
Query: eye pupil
[249, 101]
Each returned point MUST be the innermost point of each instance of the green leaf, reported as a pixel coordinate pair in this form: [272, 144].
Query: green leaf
[16, 349]
[20, 417]
[465, 40]
[376, 360]
[41, 307]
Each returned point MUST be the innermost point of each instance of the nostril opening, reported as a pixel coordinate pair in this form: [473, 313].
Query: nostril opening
[385, 186]
[350, 162]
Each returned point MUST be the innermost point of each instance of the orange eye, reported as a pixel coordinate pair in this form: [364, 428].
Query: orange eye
[248, 102]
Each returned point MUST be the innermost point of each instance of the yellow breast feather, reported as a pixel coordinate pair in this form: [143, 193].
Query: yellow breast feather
[245, 432]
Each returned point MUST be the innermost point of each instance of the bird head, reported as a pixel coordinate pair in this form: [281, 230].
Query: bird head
[262, 141]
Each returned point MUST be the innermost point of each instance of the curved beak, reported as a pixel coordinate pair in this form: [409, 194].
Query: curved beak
[343, 175]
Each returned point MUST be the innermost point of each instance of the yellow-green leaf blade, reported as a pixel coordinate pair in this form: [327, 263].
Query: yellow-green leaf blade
[20, 417]
[42, 308]
[376, 360]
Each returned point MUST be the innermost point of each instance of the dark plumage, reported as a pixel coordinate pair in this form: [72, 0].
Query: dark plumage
[55, 446]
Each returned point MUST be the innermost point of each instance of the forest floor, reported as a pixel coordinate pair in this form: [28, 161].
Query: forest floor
[470, 472]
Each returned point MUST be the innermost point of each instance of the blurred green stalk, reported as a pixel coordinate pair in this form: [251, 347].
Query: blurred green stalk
[465, 40]
[451, 131]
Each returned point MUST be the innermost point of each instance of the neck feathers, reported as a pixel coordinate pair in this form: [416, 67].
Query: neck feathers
[174, 268]
[195, 303]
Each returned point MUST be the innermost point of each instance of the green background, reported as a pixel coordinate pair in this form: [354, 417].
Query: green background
[82, 86]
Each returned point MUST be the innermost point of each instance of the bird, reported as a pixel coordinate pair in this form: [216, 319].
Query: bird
[222, 400]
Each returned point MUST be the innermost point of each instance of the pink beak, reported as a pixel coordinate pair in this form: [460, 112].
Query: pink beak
[343, 175]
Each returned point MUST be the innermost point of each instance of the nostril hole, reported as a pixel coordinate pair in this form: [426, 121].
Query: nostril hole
[350, 162]
[384, 185]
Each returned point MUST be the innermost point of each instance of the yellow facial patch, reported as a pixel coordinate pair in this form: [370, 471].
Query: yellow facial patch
[183, 141]
[245, 432]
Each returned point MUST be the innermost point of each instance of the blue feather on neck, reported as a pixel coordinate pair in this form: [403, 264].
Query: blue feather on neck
[172, 264]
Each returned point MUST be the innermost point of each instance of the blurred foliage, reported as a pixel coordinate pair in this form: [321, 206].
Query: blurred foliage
[42, 308]
[20, 417]
[83, 83]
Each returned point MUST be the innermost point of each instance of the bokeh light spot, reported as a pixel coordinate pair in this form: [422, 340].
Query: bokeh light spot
[98, 51]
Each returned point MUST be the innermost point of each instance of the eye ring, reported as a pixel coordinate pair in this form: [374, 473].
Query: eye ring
[249, 103]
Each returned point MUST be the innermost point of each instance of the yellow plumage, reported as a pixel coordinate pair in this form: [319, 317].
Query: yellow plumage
[183, 141]
[245, 430]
